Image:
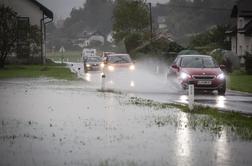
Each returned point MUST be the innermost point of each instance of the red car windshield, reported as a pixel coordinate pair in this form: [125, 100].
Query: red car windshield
[119, 59]
[198, 62]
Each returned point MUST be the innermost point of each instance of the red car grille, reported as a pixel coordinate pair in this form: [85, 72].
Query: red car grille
[203, 77]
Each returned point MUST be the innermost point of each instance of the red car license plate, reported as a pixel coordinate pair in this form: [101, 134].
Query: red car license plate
[203, 82]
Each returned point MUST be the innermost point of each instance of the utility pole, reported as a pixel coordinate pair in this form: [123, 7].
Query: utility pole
[151, 36]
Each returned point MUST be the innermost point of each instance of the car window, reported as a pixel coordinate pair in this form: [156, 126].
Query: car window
[94, 59]
[178, 61]
[119, 59]
[198, 62]
[209, 63]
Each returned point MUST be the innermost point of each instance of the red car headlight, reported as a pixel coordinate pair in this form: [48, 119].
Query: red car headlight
[184, 76]
[221, 76]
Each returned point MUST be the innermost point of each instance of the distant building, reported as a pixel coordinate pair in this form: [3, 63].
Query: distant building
[98, 38]
[161, 21]
[86, 38]
[241, 32]
[30, 12]
[110, 38]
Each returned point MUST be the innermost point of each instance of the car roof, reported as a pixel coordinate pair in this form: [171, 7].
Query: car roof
[93, 56]
[118, 54]
[194, 56]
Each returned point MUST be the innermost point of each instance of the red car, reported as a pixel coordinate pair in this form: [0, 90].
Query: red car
[200, 70]
[118, 62]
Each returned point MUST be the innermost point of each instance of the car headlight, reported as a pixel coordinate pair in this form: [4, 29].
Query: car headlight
[184, 76]
[221, 76]
[111, 68]
[132, 67]
[102, 65]
[88, 65]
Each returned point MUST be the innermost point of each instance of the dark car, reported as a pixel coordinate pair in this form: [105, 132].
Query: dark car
[200, 70]
[92, 63]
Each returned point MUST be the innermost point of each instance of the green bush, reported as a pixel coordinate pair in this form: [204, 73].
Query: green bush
[132, 41]
[248, 63]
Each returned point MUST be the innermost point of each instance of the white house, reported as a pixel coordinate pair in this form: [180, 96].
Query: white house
[97, 37]
[241, 34]
[31, 12]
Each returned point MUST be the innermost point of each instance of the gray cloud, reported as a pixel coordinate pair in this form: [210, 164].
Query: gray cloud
[62, 8]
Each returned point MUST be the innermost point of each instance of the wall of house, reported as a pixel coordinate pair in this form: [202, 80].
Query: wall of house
[248, 43]
[233, 44]
[244, 43]
[25, 8]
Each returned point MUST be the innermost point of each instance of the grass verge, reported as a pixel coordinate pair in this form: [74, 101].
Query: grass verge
[240, 81]
[71, 56]
[203, 118]
[33, 71]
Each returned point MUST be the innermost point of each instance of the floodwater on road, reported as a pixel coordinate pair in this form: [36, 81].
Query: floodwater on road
[150, 81]
[52, 122]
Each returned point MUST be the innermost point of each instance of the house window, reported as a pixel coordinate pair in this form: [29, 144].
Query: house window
[23, 28]
[240, 50]
[240, 23]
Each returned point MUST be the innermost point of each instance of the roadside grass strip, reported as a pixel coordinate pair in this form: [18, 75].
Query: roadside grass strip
[71, 56]
[201, 118]
[56, 71]
[240, 81]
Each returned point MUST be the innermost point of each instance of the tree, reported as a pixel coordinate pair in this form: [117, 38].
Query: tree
[130, 17]
[211, 39]
[8, 24]
[95, 15]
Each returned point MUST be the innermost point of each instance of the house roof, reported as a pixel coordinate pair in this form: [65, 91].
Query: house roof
[243, 8]
[45, 10]
[248, 28]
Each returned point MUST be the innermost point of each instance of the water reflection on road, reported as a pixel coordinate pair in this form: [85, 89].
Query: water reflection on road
[183, 144]
[222, 149]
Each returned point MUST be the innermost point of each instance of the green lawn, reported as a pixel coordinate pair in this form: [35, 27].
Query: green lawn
[34, 71]
[71, 56]
[240, 81]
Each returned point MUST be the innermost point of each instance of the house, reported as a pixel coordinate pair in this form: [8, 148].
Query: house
[161, 21]
[97, 38]
[241, 33]
[30, 12]
[86, 38]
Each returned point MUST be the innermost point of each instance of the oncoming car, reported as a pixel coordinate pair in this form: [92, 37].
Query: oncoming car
[118, 62]
[92, 63]
[200, 70]
[118, 69]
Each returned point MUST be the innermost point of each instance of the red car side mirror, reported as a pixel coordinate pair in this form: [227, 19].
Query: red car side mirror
[174, 66]
[222, 67]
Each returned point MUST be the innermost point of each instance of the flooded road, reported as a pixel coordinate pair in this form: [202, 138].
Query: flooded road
[155, 86]
[52, 122]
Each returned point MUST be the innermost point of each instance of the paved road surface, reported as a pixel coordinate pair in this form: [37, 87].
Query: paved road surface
[155, 86]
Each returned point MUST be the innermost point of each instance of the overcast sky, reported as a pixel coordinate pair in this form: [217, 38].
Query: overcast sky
[62, 8]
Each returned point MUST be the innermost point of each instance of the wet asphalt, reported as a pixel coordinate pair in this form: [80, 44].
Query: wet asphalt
[155, 86]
